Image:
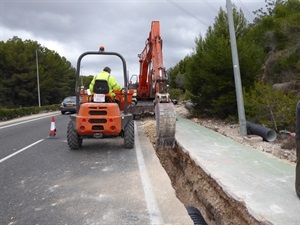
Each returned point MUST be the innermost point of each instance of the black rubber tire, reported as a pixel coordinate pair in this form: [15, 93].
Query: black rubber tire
[74, 141]
[129, 135]
[63, 112]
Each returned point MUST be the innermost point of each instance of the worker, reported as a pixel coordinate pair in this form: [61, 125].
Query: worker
[112, 83]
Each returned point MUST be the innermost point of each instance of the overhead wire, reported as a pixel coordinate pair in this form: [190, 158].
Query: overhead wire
[246, 10]
[210, 5]
[186, 11]
[242, 5]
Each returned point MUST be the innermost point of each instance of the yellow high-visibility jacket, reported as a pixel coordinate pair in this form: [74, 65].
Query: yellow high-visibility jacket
[112, 83]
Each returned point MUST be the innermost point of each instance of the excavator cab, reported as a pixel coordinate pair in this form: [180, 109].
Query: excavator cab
[97, 115]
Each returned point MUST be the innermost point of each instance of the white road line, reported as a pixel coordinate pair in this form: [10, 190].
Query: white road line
[21, 150]
[153, 209]
[27, 121]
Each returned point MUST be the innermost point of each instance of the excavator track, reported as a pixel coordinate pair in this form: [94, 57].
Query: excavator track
[165, 115]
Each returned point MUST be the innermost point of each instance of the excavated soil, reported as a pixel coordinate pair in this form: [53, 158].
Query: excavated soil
[196, 188]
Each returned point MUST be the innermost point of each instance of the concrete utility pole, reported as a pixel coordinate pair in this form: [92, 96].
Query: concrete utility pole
[38, 77]
[236, 70]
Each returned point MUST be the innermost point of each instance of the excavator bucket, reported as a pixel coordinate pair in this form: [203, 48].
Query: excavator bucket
[165, 125]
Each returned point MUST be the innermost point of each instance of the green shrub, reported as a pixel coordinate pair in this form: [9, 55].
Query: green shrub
[8, 114]
[187, 95]
[175, 93]
[269, 107]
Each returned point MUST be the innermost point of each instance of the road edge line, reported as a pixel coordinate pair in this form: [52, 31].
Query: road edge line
[152, 206]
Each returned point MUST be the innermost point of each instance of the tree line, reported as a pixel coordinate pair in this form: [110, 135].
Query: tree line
[19, 77]
[269, 52]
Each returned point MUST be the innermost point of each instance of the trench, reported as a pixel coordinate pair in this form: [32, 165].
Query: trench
[194, 187]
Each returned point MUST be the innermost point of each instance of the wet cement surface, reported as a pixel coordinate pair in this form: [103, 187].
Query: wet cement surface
[259, 187]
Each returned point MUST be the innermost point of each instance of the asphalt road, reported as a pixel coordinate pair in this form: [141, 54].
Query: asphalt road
[42, 181]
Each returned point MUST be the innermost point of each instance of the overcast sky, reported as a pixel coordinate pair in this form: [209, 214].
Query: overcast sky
[71, 27]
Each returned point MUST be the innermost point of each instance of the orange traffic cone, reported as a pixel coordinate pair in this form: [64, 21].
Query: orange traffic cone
[52, 128]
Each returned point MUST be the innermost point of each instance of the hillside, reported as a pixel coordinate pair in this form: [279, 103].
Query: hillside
[281, 41]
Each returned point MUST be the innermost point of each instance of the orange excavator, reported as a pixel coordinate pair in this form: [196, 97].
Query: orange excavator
[151, 86]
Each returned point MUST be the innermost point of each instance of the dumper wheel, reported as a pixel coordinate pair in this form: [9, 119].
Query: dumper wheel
[74, 141]
[129, 135]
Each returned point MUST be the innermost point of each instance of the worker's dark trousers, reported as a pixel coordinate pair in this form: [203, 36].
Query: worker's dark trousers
[297, 184]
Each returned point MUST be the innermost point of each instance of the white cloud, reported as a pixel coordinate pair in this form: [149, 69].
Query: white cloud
[73, 27]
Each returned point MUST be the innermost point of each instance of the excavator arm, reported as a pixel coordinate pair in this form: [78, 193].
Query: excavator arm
[152, 78]
[153, 87]
[144, 87]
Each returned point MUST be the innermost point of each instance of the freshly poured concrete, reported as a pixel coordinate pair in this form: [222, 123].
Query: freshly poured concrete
[265, 184]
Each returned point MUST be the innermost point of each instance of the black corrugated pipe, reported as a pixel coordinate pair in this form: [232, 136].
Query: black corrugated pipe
[195, 215]
[297, 182]
[189, 105]
[267, 134]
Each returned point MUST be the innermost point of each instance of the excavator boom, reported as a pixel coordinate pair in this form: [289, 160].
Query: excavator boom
[152, 77]
[152, 89]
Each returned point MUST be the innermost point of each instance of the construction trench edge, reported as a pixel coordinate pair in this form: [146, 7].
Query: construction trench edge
[195, 187]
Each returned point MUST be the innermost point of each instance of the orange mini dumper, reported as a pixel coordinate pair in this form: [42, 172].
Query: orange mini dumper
[97, 115]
